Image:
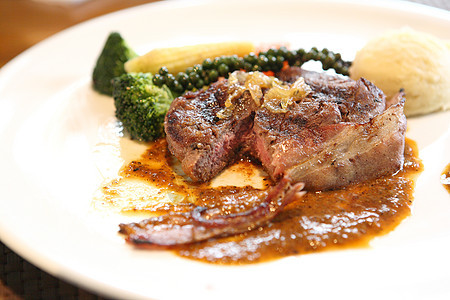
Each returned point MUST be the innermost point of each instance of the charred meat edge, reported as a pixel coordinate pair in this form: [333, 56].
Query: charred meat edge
[201, 224]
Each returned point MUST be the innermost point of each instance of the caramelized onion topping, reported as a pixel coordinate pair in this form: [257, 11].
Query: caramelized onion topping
[266, 91]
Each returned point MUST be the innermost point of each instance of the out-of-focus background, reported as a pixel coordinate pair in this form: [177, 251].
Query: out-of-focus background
[24, 23]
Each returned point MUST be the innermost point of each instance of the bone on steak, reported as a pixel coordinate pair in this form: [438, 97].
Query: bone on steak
[341, 133]
[201, 224]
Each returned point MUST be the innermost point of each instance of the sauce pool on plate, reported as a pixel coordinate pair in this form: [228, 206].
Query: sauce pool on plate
[322, 220]
[445, 178]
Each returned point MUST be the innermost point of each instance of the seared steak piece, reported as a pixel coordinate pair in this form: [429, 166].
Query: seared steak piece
[338, 133]
[204, 143]
[325, 154]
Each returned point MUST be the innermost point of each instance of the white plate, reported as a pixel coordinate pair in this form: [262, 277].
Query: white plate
[49, 122]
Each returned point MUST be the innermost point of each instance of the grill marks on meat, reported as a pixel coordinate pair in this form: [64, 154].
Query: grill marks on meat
[202, 223]
[327, 140]
[203, 143]
[358, 101]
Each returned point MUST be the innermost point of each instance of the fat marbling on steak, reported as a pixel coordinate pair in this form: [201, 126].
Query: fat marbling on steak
[340, 133]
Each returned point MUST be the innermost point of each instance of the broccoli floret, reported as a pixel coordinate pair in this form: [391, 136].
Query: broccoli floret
[110, 63]
[141, 106]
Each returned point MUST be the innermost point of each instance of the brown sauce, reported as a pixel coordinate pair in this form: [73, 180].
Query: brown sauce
[319, 220]
[445, 178]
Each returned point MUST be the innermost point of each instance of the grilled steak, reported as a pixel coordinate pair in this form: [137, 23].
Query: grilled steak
[328, 139]
[333, 137]
[203, 143]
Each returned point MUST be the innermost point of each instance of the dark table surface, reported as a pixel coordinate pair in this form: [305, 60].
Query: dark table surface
[24, 23]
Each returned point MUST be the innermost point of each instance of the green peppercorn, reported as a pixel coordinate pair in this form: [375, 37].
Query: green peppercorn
[182, 78]
[320, 57]
[272, 52]
[280, 62]
[271, 60]
[223, 69]
[300, 53]
[170, 79]
[200, 83]
[198, 69]
[327, 63]
[251, 58]
[290, 56]
[339, 69]
[207, 64]
[234, 63]
[248, 66]
[263, 62]
[163, 71]
[177, 87]
[241, 62]
[282, 51]
[213, 75]
[158, 80]
[194, 78]
[308, 56]
[190, 86]
[217, 62]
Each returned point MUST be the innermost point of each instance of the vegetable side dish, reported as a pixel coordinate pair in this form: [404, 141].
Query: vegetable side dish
[313, 136]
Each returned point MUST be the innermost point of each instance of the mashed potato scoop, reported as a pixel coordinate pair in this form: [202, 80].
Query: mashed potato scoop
[407, 59]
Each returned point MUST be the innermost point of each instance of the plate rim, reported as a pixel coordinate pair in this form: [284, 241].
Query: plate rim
[16, 244]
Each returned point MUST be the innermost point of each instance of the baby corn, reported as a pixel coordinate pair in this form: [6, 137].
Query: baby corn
[178, 59]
